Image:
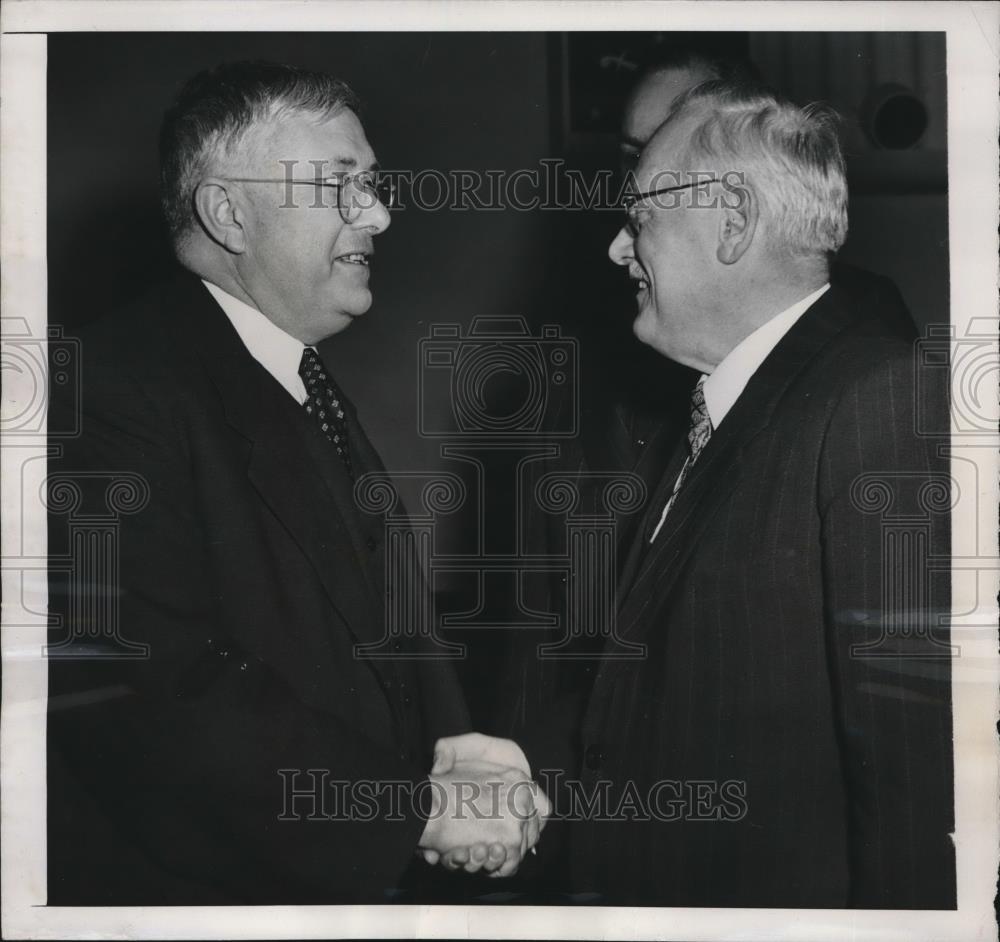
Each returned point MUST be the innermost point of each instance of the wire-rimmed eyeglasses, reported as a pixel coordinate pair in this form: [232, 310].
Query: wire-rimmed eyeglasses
[631, 200]
[356, 192]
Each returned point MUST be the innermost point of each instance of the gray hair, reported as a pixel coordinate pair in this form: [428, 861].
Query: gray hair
[790, 157]
[215, 110]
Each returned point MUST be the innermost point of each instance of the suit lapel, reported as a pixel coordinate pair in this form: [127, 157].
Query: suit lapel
[295, 472]
[640, 528]
[719, 466]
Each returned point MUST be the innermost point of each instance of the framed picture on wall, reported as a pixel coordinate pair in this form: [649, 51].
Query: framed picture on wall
[592, 73]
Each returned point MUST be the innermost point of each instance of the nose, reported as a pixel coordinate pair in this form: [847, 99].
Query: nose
[620, 250]
[375, 218]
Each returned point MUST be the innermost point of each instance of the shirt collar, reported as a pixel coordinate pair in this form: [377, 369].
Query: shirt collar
[274, 349]
[723, 386]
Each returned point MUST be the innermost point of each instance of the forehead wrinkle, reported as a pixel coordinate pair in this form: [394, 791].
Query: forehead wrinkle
[311, 140]
[667, 149]
[355, 151]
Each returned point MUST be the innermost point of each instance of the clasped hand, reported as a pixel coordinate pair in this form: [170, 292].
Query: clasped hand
[486, 813]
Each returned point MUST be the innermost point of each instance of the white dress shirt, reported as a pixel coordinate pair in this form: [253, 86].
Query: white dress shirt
[727, 381]
[724, 385]
[278, 352]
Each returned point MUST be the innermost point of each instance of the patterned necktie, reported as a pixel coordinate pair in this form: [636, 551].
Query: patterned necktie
[325, 404]
[698, 435]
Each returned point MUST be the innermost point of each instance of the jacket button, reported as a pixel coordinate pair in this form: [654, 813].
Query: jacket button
[593, 758]
[371, 544]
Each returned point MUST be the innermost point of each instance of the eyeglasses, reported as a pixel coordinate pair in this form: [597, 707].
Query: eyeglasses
[631, 200]
[356, 192]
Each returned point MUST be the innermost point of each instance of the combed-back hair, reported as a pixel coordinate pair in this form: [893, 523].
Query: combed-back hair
[790, 156]
[213, 113]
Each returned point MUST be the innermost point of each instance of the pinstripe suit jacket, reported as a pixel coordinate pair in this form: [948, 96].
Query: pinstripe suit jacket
[786, 740]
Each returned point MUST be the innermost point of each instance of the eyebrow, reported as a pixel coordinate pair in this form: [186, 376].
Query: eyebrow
[349, 163]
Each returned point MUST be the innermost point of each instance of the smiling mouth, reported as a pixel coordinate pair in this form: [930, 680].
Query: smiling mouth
[638, 278]
[355, 258]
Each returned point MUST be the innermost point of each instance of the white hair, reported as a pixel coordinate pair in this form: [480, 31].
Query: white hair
[789, 156]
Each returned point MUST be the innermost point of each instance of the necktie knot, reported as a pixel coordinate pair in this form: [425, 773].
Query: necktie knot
[325, 404]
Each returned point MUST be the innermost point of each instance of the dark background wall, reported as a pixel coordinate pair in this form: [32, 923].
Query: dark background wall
[887, 87]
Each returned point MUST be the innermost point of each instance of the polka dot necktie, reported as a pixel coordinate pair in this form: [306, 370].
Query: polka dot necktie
[325, 404]
[699, 433]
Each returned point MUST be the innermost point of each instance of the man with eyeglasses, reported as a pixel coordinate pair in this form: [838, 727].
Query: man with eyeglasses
[785, 739]
[645, 423]
[216, 734]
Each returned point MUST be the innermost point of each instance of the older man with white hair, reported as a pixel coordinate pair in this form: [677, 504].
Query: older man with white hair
[786, 740]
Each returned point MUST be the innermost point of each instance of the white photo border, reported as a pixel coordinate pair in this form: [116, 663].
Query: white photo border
[973, 116]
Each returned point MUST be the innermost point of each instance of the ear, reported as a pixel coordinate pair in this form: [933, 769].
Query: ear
[737, 223]
[221, 213]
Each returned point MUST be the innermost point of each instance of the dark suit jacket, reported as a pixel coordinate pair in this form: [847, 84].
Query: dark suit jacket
[632, 424]
[651, 415]
[827, 769]
[251, 575]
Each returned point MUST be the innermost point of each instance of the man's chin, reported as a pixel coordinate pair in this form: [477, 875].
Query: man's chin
[339, 321]
[347, 313]
[644, 327]
[648, 331]
[360, 304]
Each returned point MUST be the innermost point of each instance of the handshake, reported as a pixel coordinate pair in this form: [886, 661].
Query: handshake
[487, 813]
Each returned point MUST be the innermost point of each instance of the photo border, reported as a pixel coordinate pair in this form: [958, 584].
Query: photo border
[972, 30]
